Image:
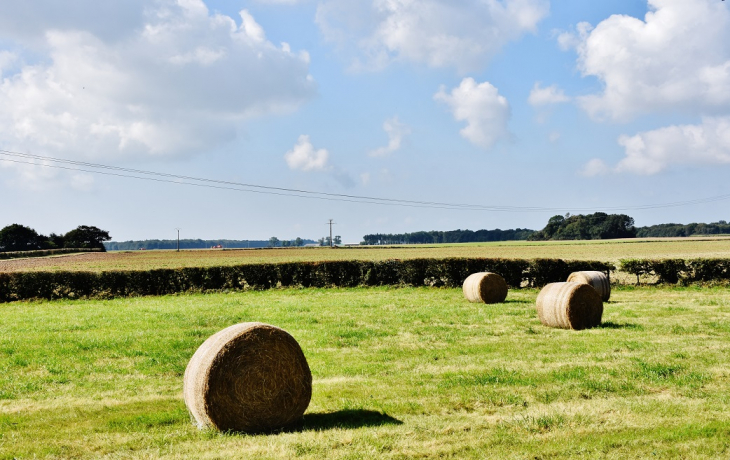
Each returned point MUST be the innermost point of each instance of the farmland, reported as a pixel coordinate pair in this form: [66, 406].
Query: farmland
[398, 373]
[606, 250]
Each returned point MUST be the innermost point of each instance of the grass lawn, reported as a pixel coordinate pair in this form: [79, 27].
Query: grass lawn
[398, 373]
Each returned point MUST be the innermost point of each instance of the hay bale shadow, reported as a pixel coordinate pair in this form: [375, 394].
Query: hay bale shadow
[612, 325]
[347, 418]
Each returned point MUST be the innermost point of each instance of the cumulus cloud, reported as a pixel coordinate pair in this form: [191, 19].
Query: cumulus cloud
[651, 152]
[162, 78]
[396, 131]
[484, 110]
[675, 59]
[540, 96]
[438, 33]
[305, 157]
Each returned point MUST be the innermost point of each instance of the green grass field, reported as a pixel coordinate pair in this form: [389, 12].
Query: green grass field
[398, 373]
[605, 251]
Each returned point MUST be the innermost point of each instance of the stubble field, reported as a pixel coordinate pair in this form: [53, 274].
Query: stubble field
[606, 251]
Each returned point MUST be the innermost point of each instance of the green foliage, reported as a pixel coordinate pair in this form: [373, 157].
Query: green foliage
[453, 236]
[16, 237]
[679, 230]
[597, 226]
[85, 236]
[411, 272]
[678, 270]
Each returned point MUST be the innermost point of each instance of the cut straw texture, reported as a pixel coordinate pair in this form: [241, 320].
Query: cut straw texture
[569, 306]
[598, 280]
[485, 287]
[250, 377]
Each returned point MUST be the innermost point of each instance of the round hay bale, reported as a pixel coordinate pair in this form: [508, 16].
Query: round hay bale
[598, 280]
[250, 377]
[485, 287]
[569, 306]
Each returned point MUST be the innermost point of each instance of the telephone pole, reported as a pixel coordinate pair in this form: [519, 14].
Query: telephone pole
[332, 245]
[178, 239]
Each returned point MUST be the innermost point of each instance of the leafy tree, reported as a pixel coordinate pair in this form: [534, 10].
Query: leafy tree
[587, 227]
[337, 239]
[273, 242]
[298, 242]
[18, 237]
[85, 236]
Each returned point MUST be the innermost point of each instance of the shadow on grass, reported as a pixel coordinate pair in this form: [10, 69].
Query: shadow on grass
[347, 418]
[612, 325]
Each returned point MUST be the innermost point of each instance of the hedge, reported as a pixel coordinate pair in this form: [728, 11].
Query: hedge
[43, 252]
[413, 272]
[678, 270]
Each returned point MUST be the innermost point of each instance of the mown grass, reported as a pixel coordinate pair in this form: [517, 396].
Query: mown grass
[603, 250]
[398, 373]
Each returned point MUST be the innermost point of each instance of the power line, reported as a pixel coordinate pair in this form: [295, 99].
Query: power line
[97, 168]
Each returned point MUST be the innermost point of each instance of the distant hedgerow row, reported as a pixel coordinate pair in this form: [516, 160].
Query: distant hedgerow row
[679, 270]
[43, 253]
[413, 272]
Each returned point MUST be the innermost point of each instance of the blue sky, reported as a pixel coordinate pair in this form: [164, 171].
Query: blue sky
[535, 107]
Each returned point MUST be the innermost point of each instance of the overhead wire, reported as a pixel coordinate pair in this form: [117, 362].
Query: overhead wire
[97, 168]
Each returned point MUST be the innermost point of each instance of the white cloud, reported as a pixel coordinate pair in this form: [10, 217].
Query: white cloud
[486, 112]
[165, 78]
[396, 131]
[595, 167]
[651, 152]
[438, 33]
[676, 59]
[540, 96]
[305, 157]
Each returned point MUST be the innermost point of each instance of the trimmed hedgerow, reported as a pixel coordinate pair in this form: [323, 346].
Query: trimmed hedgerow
[413, 272]
[673, 271]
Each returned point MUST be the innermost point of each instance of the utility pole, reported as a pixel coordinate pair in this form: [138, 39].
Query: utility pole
[178, 239]
[332, 245]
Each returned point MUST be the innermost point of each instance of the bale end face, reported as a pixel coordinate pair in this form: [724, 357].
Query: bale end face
[569, 306]
[250, 377]
[485, 287]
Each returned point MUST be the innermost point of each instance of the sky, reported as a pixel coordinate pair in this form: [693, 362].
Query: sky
[246, 119]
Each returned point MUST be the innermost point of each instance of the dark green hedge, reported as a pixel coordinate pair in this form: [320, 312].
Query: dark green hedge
[413, 272]
[42, 253]
[679, 270]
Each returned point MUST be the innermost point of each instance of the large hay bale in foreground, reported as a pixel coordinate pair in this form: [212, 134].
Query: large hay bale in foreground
[250, 377]
[485, 287]
[569, 306]
[598, 280]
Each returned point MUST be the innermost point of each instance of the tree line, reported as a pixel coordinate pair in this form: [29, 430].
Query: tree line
[678, 230]
[452, 236]
[16, 237]
[134, 245]
[597, 226]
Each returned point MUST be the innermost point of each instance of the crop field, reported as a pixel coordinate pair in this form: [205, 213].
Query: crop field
[397, 373]
[607, 251]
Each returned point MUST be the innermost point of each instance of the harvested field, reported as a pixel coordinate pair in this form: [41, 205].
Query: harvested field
[606, 250]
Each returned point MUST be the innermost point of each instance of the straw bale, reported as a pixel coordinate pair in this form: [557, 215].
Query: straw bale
[598, 280]
[485, 287]
[569, 306]
[250, 377]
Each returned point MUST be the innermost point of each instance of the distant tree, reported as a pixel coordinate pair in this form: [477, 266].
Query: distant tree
[595, 226]
[85, 236]
[54, 241]
[273, 242]
[298, 242]
[18, 237]
[337, 239]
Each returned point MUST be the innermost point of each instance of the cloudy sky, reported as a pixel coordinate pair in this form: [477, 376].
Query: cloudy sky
[445, 114]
